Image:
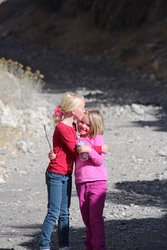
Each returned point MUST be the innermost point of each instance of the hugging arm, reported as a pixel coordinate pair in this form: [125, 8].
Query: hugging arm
[99, 149]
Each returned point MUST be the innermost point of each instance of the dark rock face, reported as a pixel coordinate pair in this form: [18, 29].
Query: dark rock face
[113, 15]
[128, 13]
[132, 33]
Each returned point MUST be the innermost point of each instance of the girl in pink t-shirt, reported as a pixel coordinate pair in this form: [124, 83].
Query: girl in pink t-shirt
[91, 179]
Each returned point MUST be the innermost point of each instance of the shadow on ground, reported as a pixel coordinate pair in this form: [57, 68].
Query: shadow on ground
[142, 193]
[160, 124]
[144, 234]
[126, 234]
[141, 234]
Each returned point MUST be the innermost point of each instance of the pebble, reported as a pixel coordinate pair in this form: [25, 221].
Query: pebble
[138, 109]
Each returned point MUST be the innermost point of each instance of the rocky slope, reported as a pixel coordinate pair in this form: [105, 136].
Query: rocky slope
[132, 33]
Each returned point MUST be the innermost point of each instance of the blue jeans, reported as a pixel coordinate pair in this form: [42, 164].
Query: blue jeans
[59, 197]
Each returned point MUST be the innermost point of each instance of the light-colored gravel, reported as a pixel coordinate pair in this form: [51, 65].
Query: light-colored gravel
[136, 200]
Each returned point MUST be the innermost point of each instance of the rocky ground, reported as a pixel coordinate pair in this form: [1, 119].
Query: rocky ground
[134, 110]
[135, 113]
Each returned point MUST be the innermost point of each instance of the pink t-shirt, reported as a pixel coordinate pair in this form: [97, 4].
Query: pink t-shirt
[93, 169]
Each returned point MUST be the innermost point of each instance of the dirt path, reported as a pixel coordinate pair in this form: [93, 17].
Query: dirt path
[135, 210]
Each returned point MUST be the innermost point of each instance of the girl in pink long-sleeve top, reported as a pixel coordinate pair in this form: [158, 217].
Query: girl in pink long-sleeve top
[91, 179]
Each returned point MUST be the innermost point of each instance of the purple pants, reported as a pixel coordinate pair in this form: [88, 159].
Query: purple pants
[91, 200]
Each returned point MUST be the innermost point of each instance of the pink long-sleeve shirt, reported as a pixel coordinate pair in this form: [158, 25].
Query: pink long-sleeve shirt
[93, 169]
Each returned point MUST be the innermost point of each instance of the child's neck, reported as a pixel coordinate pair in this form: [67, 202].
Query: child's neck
[86, 136]
[68, 121]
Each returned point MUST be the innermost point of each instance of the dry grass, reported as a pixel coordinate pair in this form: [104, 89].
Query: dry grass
[18, 92]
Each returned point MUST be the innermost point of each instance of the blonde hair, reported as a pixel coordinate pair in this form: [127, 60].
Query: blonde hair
[70, 101]
[96, 121]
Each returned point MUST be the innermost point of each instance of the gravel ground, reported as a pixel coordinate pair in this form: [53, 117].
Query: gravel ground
[136, 132]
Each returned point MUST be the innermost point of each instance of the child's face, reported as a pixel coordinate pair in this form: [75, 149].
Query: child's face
[84, 126]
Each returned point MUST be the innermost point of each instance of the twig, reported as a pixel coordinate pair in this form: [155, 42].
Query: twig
[47, 137]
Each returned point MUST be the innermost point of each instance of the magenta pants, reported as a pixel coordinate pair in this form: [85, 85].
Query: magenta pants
[91, 200]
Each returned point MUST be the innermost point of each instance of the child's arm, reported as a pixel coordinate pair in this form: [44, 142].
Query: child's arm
[99, 149]
[96, 158]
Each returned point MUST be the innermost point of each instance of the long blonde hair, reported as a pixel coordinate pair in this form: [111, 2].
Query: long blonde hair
[96, 121]
[70, 101]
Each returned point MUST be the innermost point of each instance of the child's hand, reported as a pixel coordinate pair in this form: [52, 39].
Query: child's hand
[51, 155]
[84, 149]
[104, 148]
